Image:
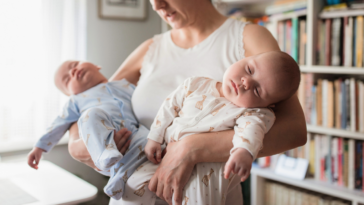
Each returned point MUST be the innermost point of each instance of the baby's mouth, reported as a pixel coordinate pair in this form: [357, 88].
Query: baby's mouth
[235, 88]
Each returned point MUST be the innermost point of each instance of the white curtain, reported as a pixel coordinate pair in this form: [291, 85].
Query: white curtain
[36, 37]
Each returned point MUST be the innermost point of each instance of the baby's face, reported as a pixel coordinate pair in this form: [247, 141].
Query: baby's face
[255, 81]
[74, 77]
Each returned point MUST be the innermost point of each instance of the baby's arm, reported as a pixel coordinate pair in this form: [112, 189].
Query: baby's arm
[165, 116]
[54, 133]
[248, 140]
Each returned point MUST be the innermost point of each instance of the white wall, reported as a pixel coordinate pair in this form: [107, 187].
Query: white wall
[109, 42]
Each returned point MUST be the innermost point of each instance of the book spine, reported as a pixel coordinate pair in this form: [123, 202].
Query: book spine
[348, 42]
[343, 105]
[359, 41]
[347, 104]
[294, 42]
[328, 42]
[352, 105]
[335, 42]
[351, 162]
[346, 163]
[358, 164]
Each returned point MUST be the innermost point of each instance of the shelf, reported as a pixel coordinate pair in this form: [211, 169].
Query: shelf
[332, 70]
[335, 132]
[286, 16]
[313, 185]
[241, 1]
[342, 13]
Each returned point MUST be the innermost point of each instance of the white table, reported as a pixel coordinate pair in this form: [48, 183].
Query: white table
[49, 184]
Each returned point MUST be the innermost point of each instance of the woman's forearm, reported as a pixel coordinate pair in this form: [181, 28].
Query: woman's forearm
[76, 146]
[209, 147]
[289, 130]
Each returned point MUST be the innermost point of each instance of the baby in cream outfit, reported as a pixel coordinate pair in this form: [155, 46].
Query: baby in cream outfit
[250, 86]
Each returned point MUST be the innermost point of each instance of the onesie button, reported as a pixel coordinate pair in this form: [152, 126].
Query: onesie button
[217, 101]
[197, 119]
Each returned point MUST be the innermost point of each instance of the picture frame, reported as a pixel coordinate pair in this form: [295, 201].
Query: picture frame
[123, 9]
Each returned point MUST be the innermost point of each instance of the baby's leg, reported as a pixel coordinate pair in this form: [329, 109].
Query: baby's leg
[207, 185]
[136, 188]
[97, 131]
[124, 171]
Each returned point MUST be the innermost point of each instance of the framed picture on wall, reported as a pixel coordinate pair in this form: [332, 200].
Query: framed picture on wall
[123, 9]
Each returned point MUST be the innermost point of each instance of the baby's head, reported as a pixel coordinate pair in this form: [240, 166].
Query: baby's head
[261, 80]
[74, 77]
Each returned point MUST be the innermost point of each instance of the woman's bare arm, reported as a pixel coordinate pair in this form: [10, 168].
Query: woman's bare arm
[129, 70]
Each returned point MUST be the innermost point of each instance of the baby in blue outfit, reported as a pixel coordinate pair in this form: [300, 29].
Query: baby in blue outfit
[99, 107]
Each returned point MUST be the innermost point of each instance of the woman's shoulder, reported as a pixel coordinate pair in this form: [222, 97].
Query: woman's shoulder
[257, 39]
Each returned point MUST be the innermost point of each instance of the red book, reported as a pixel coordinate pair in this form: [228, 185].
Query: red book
[328, 42]
[340, 161]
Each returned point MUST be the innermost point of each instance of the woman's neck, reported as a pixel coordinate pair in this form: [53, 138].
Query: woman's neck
[206, 22]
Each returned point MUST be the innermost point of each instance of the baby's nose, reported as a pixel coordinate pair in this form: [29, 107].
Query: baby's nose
[72, 72]
[246, 83]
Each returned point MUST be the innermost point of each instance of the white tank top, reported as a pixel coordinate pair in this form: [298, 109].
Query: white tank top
[166, 66]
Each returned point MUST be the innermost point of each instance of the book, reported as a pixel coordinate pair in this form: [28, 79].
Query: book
[348, 41]
[351, 162]
[321, 43]
[328, 25]
[319, 102]
[358, 164]
[303, 43]
[346, 163]
[294, 39]
[343, 105]
[347, 104]
[337, 104]
[330, 104]
[307, 106]
[281, 33]
[340, 159]
[354, 43]
[352, 105]
[325, 102]
[318, 163]
[361, 106]
[335, 160]
[359, 41]
[335, 42]
[288, 37]
[313, 110]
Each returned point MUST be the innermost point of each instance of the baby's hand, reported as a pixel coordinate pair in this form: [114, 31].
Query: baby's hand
[240, 163]
[34, 157]
[153, 150]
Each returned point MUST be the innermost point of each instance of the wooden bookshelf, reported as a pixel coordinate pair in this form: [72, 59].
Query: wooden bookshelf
[338, 14]
[259, 175]
[290, 15]
[332, 70]
[241, 2]
[313, 16]
[335, 132]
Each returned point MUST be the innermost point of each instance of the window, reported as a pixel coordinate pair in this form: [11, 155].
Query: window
[36, 36]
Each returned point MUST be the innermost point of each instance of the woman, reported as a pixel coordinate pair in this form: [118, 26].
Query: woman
[201, 43]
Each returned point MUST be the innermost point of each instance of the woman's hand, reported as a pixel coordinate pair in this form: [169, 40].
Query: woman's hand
[173, 173]
[78, 150]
